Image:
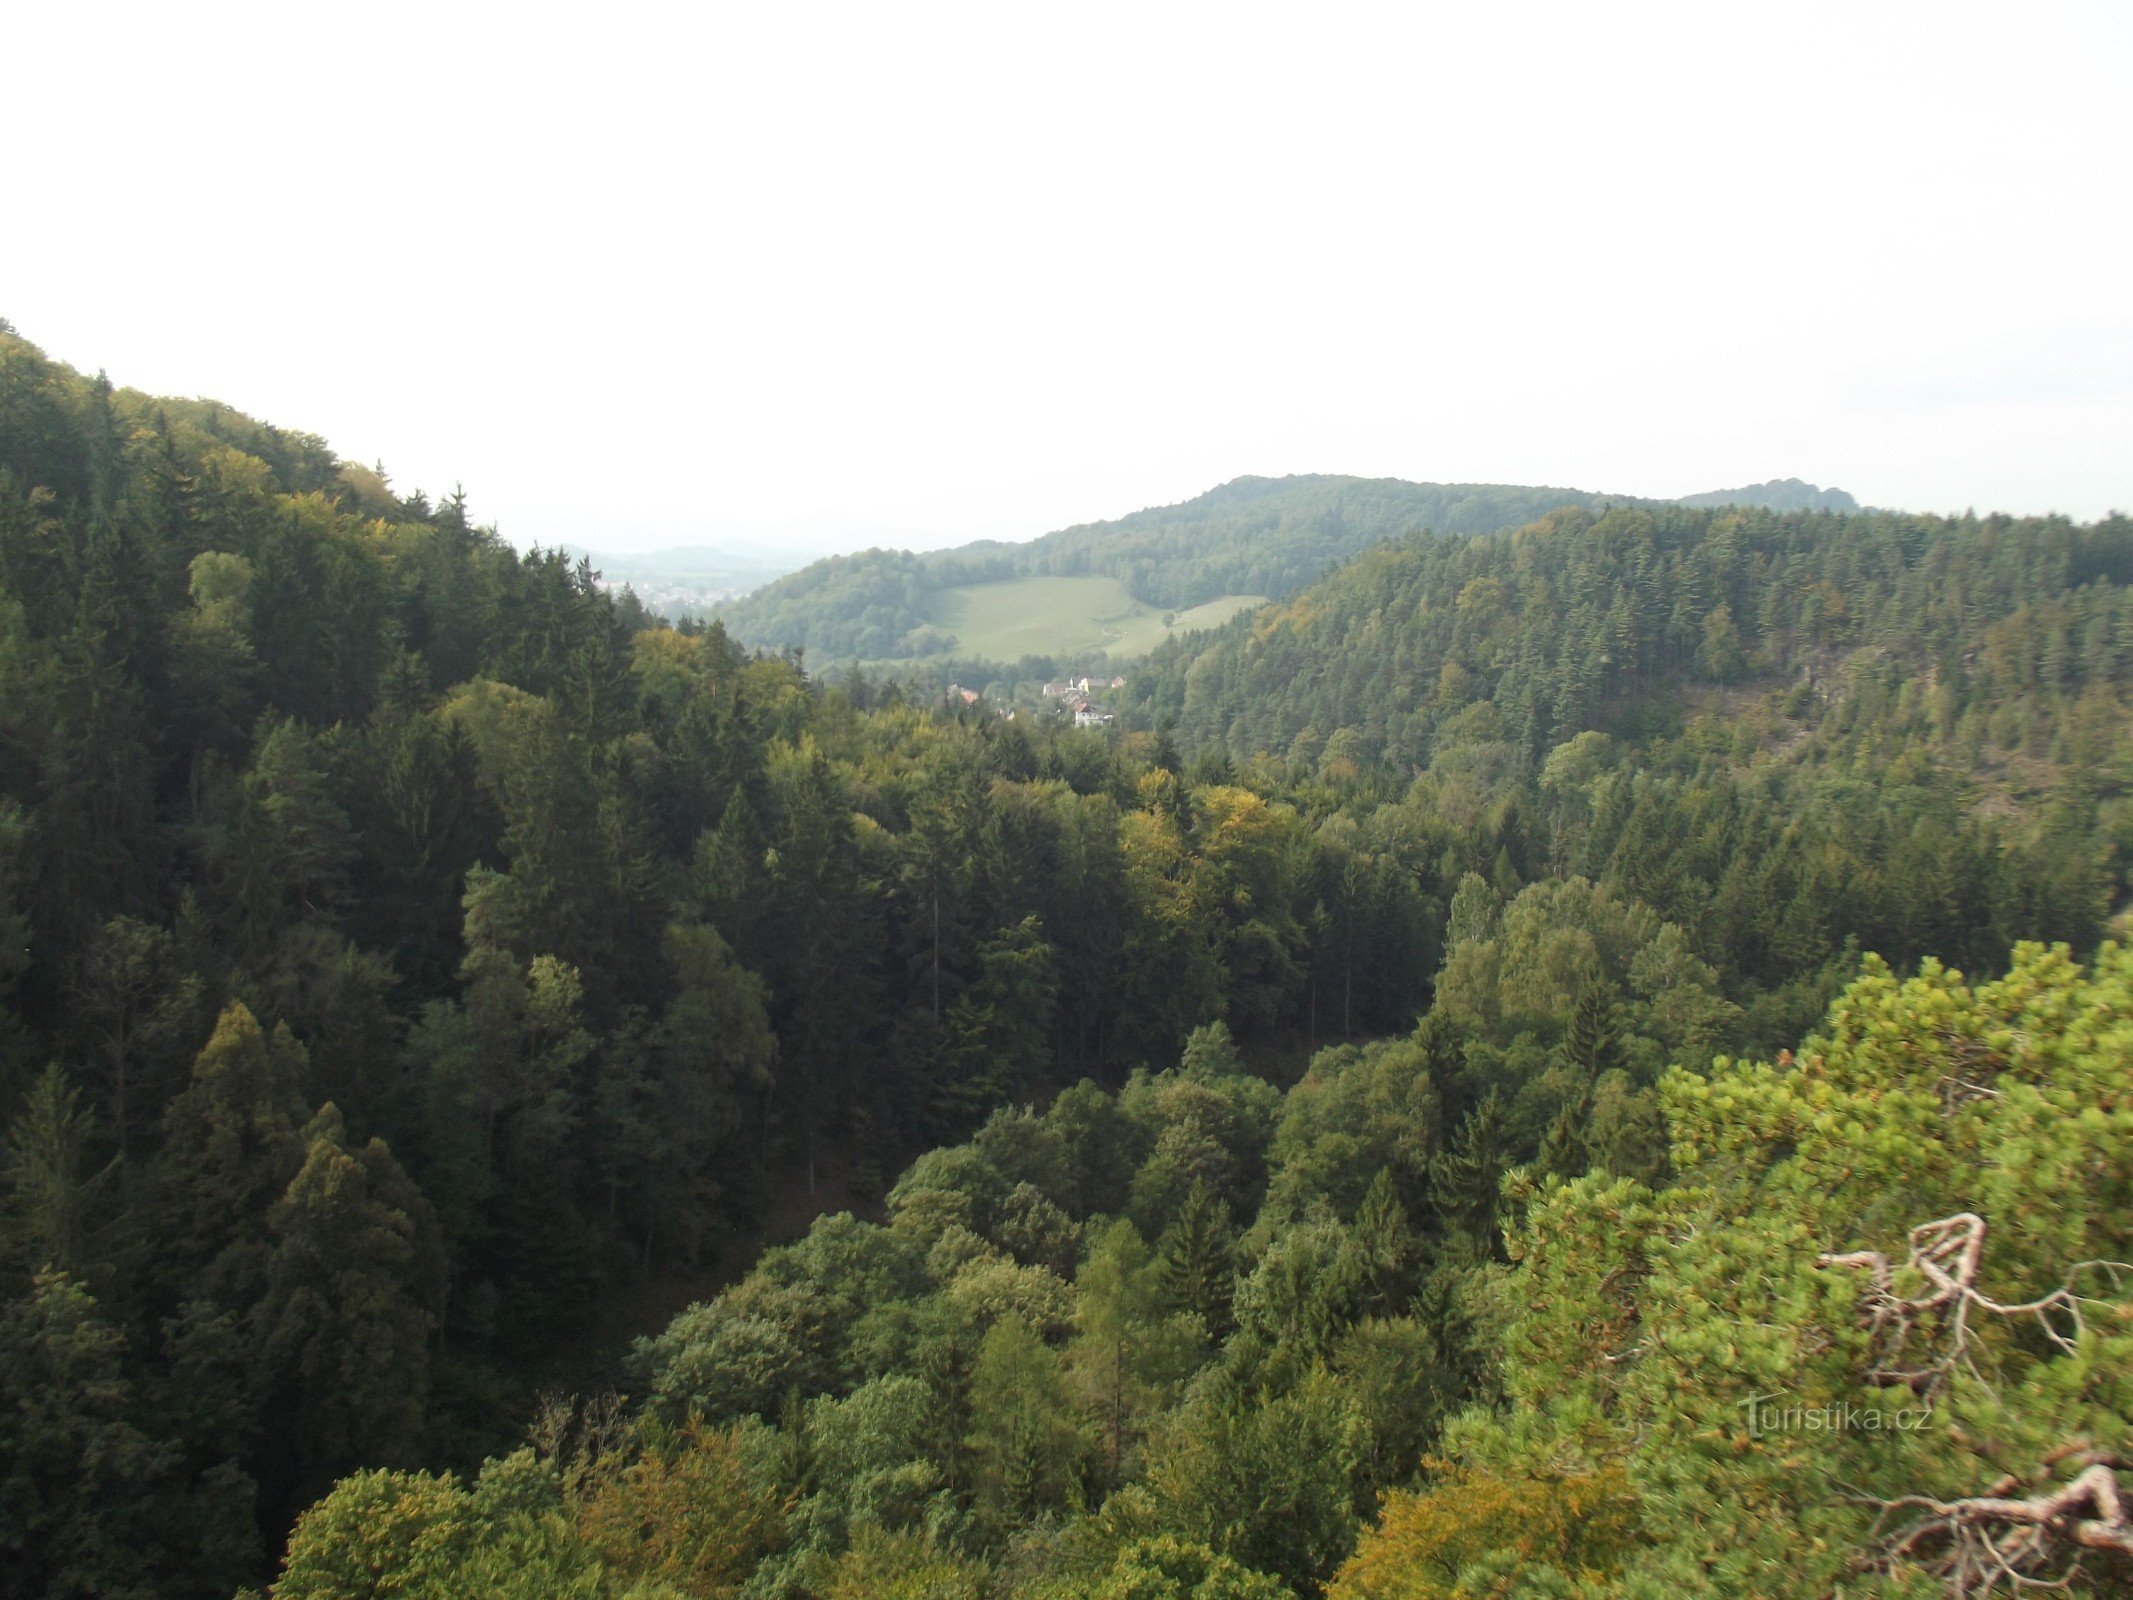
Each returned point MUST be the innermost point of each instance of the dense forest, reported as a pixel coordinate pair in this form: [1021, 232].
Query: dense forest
[1199, 1340]
[1257, 536]
[1907, 729]
[1386, 1126]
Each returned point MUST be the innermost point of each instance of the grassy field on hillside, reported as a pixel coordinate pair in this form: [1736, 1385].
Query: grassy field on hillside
[1068, 616]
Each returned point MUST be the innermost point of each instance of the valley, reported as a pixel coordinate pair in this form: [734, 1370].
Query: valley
[506, 1095]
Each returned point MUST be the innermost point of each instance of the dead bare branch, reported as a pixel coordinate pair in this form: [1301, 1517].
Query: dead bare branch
[2003, 1541]
[1946, 1253]
[1993, 1543]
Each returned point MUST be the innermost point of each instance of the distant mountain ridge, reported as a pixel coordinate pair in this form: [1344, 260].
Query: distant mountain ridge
[1779, 494]
[1252, 536]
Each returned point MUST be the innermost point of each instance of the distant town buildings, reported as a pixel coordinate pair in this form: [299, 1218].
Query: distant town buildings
[1074, 697]
[1081, 686]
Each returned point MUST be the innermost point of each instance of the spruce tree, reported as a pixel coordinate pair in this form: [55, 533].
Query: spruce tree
[1196, 1266]
[1465, 1180]
[51, 1184]
[1593, 1044]
[728, 872]
[1563, 1149]
[1387, 1244]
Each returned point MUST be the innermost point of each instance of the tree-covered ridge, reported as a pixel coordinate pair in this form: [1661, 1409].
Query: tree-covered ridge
[1273, 536]
[1726, 710]
[872, 605]
[1256, 536]
[1578, 620]
[1779, 494]
[1853, 1321]
[50, 419]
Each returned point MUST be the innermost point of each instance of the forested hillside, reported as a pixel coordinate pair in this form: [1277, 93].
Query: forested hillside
[1746, 717]
[1847, 1322]
[419, 966]
[1259, 536]
[410, 946]
[1253, 536]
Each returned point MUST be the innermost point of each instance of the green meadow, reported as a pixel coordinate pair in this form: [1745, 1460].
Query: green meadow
[1069, 616]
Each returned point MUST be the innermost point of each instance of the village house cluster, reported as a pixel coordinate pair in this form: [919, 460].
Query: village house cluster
[1074, 695]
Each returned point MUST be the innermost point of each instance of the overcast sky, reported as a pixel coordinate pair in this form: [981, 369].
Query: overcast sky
[914, 273]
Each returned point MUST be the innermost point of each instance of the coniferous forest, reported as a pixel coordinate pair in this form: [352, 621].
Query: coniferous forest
[1590, 1059]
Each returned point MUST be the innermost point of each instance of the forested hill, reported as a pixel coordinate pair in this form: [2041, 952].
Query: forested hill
[1967, 641]
[1253, 536]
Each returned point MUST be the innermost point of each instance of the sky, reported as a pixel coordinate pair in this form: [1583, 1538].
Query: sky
[815, 277]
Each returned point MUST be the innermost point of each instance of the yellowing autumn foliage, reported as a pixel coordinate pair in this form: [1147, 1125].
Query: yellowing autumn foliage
[1578, 1524]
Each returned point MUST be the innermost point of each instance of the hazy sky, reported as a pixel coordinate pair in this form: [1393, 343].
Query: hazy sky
[642, 275]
